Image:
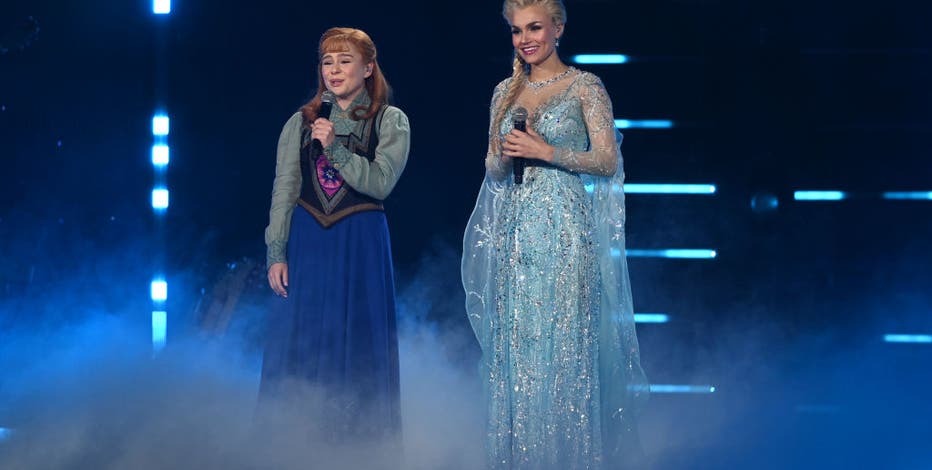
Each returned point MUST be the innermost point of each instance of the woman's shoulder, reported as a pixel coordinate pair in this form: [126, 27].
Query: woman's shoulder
[503, 85]
[394, 116]
[295, 120]
[587, 78]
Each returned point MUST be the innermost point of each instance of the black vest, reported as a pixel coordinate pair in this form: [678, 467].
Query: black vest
[324, 194]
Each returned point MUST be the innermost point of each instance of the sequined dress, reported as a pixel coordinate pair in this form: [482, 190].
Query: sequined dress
[547, 289]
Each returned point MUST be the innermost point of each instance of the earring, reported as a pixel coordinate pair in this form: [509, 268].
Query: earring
[558, 42]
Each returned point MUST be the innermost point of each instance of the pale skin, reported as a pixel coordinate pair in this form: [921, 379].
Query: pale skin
[534, 35]
[344, 73]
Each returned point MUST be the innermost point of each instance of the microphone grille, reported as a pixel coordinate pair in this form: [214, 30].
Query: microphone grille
[520, 114]
[328, 97]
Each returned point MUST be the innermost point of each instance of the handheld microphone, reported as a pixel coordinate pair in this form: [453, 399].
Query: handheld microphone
[326, 106]
[520, 123]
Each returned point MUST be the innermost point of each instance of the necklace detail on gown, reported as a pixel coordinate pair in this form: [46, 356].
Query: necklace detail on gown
[543, 83]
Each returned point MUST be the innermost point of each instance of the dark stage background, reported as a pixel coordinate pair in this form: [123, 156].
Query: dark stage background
[767, 97]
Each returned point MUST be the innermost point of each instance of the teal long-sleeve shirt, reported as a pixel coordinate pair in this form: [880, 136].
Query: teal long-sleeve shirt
[376, 178]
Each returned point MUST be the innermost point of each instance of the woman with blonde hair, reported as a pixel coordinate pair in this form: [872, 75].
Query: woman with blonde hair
[544, 267]
[329, 255]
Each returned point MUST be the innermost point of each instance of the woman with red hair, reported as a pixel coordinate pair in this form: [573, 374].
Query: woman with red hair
[333, 330]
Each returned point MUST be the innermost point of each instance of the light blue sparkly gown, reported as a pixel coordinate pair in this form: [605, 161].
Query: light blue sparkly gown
[547, 289]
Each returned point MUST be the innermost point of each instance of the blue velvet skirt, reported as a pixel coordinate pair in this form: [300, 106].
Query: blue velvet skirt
[336, 330]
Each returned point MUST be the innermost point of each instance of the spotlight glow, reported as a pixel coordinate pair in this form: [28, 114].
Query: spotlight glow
[600, 58]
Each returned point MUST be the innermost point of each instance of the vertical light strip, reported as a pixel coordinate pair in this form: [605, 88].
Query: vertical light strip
[159, 329]
[160, 203]
[161, 157]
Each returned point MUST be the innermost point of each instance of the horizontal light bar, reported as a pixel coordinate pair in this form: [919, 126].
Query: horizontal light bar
[684, 253]
[160, 125]
[908, 338]
[651, 318]
[666, 388]
[159, 290]
[661, 188]
[161, 7]
[160, 198]
[159, 329]
[819, 195]
[643, 124]
[160, 155]
[600, 58]
[669, 188]
[915, 195]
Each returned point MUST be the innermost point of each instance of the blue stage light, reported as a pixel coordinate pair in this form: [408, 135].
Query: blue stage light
[914, 195]
[643, 124]
[160, 199]
[159, 329]
[908, 338]
[160, 156]
[669, 188]
[161, 7]
[600, 58]
[651, 318]
[666, 388]
[160, 125]
[819, 195]
[159, 290]
[682, 253]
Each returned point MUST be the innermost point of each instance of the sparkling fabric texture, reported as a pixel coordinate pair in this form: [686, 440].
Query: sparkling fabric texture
[549, 304]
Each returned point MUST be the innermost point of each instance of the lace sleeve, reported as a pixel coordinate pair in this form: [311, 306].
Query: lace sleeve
[601, 158]
[494, 166]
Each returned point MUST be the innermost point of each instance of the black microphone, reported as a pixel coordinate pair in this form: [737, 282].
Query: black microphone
[326, 106]
[520, 118]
